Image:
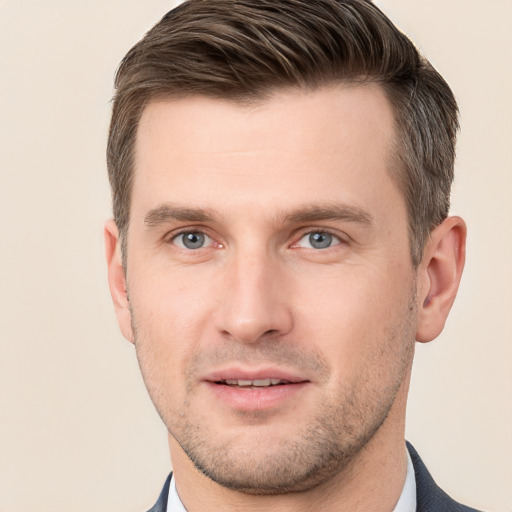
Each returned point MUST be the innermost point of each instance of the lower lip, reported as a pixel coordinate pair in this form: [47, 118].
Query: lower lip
[255, 398]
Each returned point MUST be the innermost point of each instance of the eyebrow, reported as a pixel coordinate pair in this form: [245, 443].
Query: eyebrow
[333, 212]
[166, 213]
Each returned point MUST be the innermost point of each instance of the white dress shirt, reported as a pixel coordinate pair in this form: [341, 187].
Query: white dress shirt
[174, 503]
[406, 503]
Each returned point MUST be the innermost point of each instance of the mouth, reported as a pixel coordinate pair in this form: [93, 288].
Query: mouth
[259, 390]
[256, 383]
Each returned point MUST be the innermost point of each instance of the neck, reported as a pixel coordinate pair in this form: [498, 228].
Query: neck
[373, 480]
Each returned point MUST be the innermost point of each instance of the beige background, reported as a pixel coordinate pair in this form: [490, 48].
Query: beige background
[77, 431]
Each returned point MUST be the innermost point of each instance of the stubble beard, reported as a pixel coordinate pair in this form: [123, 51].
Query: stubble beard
[325, 447]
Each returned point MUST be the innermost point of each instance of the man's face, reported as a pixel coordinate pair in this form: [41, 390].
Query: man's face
[270, 282]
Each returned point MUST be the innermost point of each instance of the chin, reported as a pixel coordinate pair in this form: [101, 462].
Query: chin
[266, 465]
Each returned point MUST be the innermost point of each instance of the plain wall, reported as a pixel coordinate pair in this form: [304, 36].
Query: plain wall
[77, 430]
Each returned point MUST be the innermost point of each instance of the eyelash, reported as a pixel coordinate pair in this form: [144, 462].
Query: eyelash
[197, 231]
[323, 231]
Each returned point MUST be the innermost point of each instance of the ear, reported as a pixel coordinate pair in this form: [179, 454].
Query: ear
[117, 279]
[439, 276]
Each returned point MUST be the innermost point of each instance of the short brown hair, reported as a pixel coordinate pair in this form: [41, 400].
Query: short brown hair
[242, 50]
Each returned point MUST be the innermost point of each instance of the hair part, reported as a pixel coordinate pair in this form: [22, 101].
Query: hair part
[243, 50]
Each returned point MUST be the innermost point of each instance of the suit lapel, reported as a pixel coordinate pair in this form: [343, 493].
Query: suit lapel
[161, 504]
[430, 497]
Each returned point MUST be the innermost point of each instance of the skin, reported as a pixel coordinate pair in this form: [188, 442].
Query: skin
[260, 296]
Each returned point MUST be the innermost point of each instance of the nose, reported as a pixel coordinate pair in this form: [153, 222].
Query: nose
[254, 303]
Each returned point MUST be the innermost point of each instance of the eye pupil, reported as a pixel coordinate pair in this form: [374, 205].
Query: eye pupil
[193, 240]
[320, 240]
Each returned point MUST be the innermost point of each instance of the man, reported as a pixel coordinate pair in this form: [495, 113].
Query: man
[281, 175]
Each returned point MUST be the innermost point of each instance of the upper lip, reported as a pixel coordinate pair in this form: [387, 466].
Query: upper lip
[236, 373]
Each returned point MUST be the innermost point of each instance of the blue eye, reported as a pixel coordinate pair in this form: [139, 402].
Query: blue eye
[318, 240]
[192, 240]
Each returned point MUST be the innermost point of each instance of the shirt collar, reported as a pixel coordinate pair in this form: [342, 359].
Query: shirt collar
[174, 503]
[407, 500]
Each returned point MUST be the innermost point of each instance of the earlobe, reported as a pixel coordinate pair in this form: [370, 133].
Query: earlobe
[117, 279]
[439, 276]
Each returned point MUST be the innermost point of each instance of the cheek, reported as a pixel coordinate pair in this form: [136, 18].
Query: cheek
[168, 297]
[169, 319]
[351, 313]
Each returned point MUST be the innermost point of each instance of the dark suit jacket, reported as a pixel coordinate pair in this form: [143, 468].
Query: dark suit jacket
[429, 497]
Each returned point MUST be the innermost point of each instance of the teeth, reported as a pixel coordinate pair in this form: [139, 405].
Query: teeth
[261, 382]
[257, 383]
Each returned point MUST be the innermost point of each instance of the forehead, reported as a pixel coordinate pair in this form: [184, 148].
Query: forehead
[294, 147]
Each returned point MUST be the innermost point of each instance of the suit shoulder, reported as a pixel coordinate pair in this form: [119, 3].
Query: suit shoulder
[429, 496]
